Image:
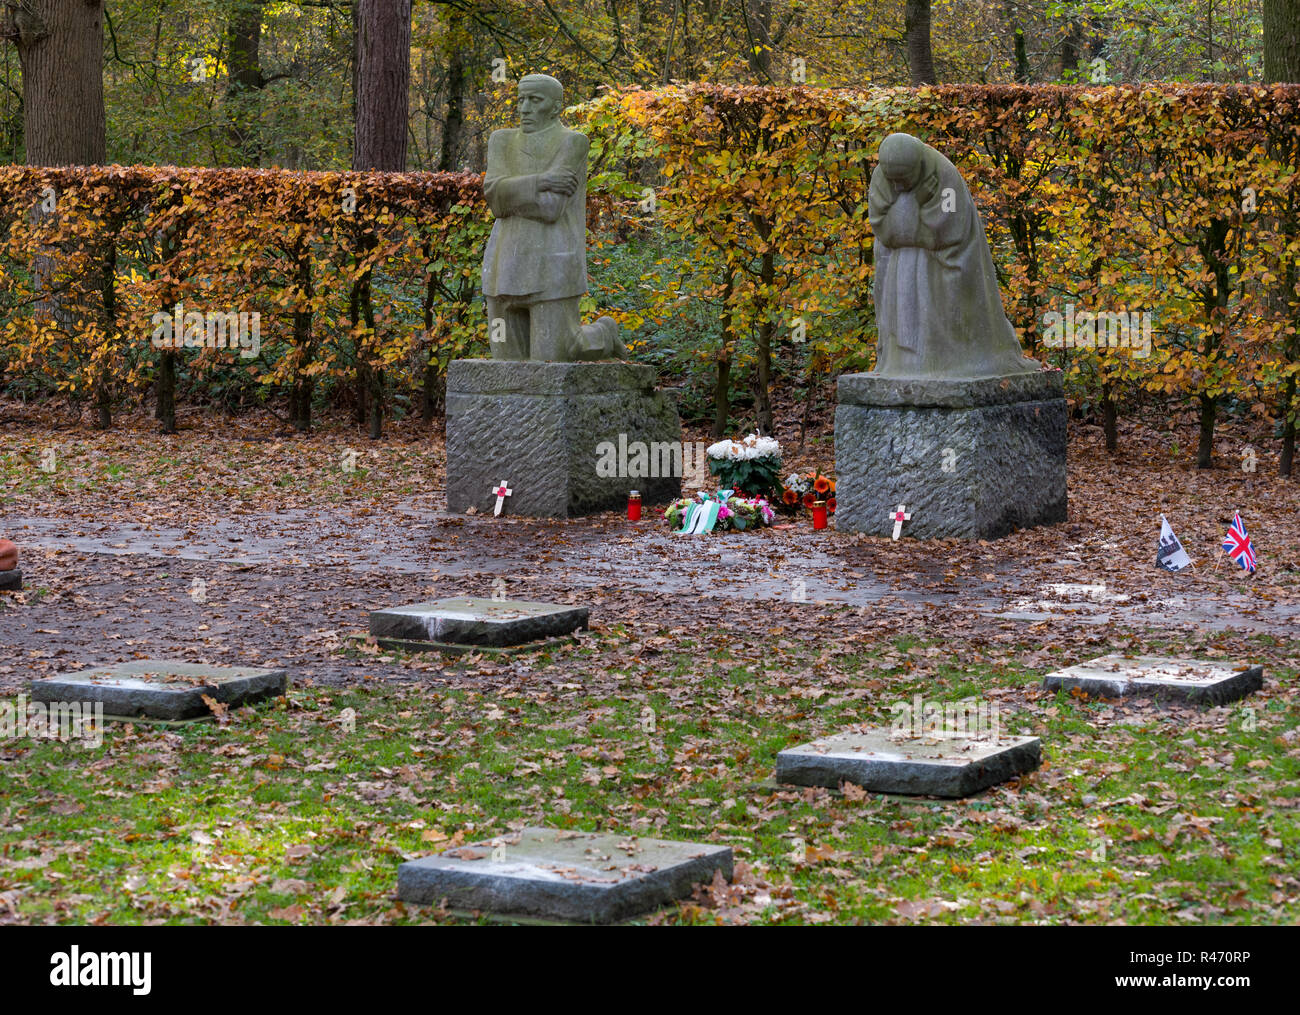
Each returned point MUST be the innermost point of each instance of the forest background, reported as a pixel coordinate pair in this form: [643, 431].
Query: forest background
[317, 163]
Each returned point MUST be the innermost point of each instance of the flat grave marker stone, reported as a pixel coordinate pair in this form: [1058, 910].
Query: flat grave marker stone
[1200, 680]
[880, 761]
[161, 688]
[491, 623]
[582, 877]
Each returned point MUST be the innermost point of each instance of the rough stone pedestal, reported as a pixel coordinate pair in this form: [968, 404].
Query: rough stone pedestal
[539, 426]
[971, 459]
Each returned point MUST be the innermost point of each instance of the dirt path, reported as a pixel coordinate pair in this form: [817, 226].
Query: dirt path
[289, 587]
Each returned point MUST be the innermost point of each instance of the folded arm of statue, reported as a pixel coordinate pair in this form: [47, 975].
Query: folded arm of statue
[550, 206]
[513, 195]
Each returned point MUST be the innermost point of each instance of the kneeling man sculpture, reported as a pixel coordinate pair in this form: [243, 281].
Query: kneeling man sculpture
[555, 391]
[535, 267]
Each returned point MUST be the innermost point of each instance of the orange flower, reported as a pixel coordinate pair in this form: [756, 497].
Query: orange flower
[789, 497]
[808, 499]
[830, 504]
[821, 484]
[832, 486]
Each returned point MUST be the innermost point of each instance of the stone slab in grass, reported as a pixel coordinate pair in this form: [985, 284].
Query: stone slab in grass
[1200, 680]
[581, 877]
[926, 766]
[468, 621]
[447, 648]
[161, 688]
[11, 580]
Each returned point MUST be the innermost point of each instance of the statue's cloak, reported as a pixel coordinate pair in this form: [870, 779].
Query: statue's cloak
[938, 309]
[538, 246]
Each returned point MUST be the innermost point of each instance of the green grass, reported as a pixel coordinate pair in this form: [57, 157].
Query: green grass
[284, 816]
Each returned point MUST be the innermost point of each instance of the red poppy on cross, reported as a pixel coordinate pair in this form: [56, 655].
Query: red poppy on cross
[501, 493]
[900, 516]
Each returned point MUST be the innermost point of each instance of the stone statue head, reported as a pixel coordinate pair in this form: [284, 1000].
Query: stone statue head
[901, 160]
[541, 98]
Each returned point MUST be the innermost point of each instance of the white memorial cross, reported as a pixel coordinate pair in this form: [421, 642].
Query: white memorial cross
[501, 493]
[900, 516]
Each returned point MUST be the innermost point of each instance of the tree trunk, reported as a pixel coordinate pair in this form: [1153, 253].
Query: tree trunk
[165, 411]
[448, 158]
[763, 378]
[763, 346]
[1288, 410]
[1205, 447]
[370, 383]
[381, 83]
[300, 395]
[758, 21]
[361, 411]
[722, 385]
[374, 371]
[1282, 40]
[245, 79]
[376, 404]
[1108, 417]
[300, 404]
[1022, 58]
[103, 406]
[61, 48]
[916, 31]
[434, 389]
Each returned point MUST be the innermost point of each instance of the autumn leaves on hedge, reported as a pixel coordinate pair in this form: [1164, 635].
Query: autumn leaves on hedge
[93, 256]
[1177, 204]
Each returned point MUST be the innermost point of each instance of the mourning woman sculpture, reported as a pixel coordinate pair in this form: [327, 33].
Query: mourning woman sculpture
[938, 309]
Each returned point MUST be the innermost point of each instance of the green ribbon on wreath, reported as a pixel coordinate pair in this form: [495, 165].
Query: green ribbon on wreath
[700, 519]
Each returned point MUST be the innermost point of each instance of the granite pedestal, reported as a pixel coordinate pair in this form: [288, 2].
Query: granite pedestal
[971, 459]
[539, 426]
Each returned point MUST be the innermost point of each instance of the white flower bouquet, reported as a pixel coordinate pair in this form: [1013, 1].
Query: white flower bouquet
[752, 464]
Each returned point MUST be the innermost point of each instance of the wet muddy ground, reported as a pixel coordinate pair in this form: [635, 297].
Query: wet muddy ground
[290, 587]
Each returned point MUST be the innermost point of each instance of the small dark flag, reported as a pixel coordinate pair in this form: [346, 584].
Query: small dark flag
[1169, 551]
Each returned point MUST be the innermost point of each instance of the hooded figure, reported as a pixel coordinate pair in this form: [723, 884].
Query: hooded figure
[938, 309]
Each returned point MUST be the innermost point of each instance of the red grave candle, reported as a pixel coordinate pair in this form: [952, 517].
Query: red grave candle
[819, 514]
[633, 506]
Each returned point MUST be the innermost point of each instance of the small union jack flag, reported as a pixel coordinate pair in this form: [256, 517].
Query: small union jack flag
[1236, 544]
